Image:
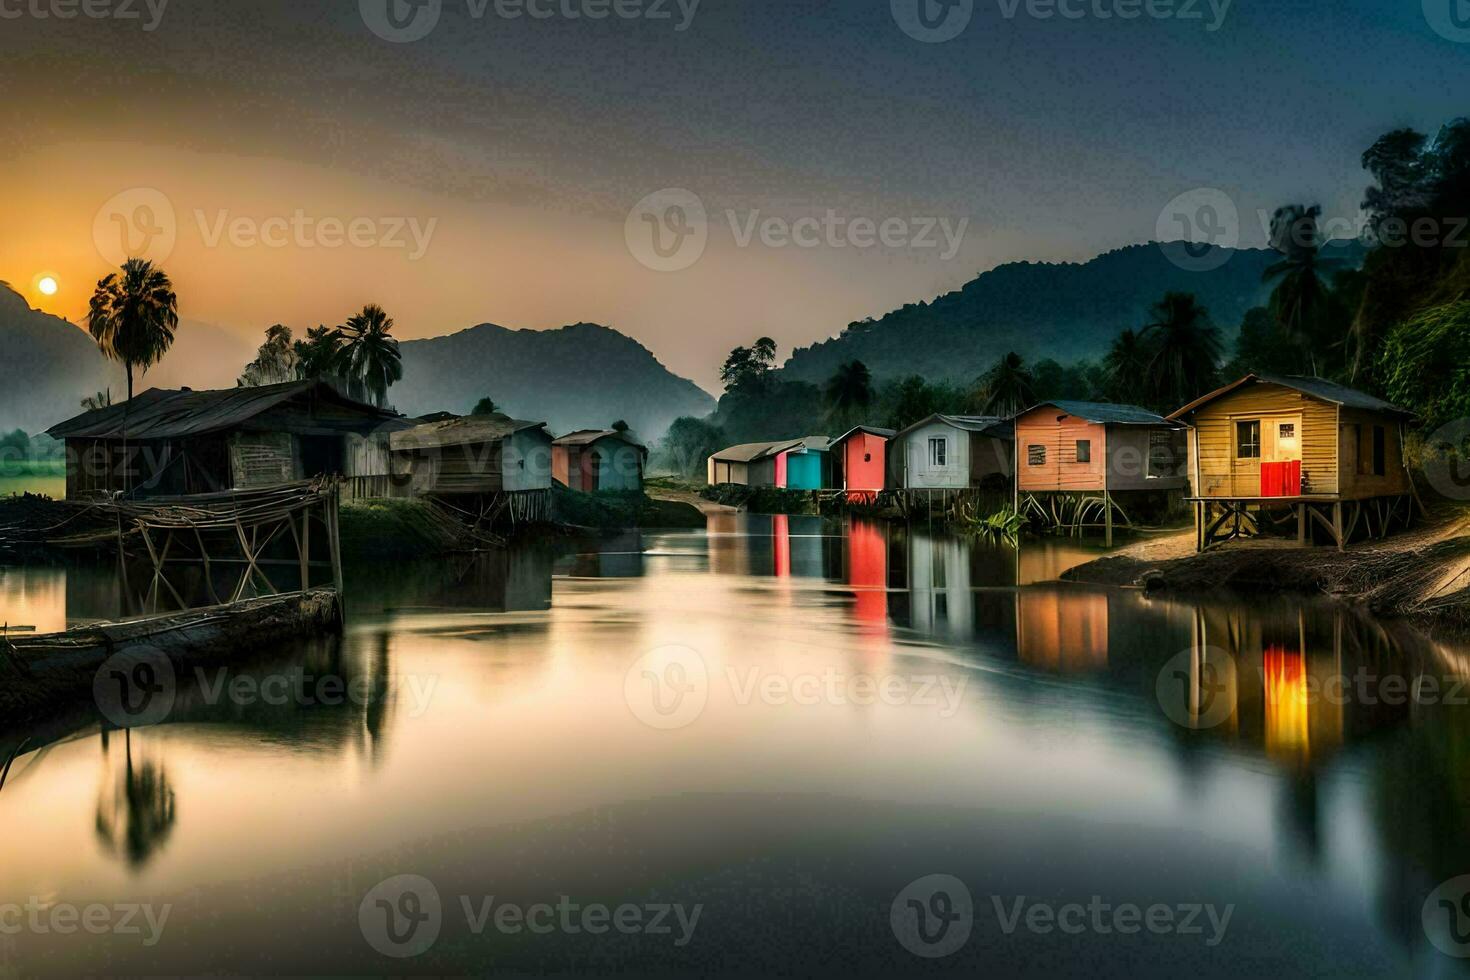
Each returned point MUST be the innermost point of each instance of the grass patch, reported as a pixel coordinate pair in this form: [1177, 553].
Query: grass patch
[390, 528]
[761, 500]
[621, 509]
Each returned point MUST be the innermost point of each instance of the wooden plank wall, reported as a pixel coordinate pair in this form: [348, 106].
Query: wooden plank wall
[1062, 470]
[1222, 475]
[1358, 479]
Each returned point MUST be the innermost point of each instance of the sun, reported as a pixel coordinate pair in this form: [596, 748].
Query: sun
[48, 286]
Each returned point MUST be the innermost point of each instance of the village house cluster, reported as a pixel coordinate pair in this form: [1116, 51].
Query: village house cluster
[1266, 448]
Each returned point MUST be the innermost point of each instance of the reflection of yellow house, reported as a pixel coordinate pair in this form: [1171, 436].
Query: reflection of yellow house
[1062, 629]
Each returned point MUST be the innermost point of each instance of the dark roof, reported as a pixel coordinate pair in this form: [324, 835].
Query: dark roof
[871, 430]
[587, 437]
[470, 430]
[165, 414]
[985, 424]
[750, 452]
[1328, 391]
[1106, 413]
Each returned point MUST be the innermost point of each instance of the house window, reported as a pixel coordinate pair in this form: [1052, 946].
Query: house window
[1380, 451]
[867, 457]
[1084, 450]
[938, 452]
[1035, 455]
[1287, 431]
[1248, 440]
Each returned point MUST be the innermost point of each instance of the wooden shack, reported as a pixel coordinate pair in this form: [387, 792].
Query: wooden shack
[862, 456]
[751, 464]
[593, 460]
[1266, 450]
[804, 465]
[176, 442]
[477, 454]
[1092, 464]
[951, 452]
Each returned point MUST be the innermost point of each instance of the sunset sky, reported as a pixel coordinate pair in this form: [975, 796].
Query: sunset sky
[288, 164]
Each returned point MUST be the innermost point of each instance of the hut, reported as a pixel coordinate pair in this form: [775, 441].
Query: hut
[862, 455]
[951, 453]
[749, 464]
[492, 466]
[1266, 448]
[174, 442]
[598, 459]
[804, 465]
[1079, 463]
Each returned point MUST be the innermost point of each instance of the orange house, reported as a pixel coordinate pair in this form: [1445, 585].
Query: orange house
[863, 455]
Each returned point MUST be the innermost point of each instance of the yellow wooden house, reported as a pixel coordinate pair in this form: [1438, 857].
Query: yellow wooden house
[1266, 450]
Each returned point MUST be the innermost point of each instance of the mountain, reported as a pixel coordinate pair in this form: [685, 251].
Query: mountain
[48, 365]
[1063, 311]
[582, 376]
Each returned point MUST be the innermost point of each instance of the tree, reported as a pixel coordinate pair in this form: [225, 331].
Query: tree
[1186, 351]
[485, 406]
[372, 354]
[1262, 347]
[749, 367]
[1126, 366]
[689, 443]
[103, 399]
[1301, 301]
[1425, 364]
[1008, 387]
[15, 446]
[621, 427]
[320, 355]
[133, 316]
[275, 361]
[850, 390]
[913, 400]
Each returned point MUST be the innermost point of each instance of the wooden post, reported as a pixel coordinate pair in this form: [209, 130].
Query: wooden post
[1337, 524]
[1301, 524]
[334, 538]
[1108, 520]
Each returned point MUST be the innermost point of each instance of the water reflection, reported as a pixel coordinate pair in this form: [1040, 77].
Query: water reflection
[487, 742]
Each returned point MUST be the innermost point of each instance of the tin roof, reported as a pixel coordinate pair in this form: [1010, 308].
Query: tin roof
[984, 424]
[871, 430]
[751, 451]
[168, 414]
[1106, 413]
[586, 437]
[1328, 391]
[465, 431]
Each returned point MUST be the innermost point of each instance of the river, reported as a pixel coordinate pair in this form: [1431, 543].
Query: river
[781, 746]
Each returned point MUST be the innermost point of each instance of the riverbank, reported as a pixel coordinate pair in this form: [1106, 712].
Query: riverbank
[1422, 574]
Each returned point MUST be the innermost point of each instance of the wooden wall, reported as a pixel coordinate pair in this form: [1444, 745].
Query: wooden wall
[1223, 475]
[1355, 456]
[1057, 434]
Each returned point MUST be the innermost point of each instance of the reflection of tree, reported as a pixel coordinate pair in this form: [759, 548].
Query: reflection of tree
[377, 712]
[135, 811]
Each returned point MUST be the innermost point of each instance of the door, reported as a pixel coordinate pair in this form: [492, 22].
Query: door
[1281, 457]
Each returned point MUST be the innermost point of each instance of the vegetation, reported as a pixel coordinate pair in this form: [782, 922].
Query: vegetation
[687, 447]
[133, 316]
[102, 399]
[1008, 388]
[362, 356]
[374, 363]
[620, 509]
[485, 406]
[1425, 363]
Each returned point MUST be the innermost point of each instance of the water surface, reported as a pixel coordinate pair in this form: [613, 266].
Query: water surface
[783, 721]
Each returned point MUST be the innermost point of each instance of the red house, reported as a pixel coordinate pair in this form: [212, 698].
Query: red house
[863, 453]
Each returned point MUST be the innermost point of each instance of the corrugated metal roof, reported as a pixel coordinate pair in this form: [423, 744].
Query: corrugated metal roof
[984, 424]
[871, 430]
[466, 431]
[1328, 391]
[587, 437]
[164, 414]
[1107, 413]
[751, 451]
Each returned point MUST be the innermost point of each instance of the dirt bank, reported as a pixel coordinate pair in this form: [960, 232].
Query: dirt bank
[1423, 573]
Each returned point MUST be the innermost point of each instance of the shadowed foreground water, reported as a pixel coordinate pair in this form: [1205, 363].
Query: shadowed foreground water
[784, 747]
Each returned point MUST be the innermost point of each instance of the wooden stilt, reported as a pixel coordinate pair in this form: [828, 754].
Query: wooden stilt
[1337, 525]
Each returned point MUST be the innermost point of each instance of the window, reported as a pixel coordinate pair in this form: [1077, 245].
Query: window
[1166, 454]
[1084, 450]
[1287, 430]
[1035, 455]
[867, 457]
[1380, 451]
[1248, 440]
[939, 452]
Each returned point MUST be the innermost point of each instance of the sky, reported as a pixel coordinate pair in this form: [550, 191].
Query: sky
[694, 173]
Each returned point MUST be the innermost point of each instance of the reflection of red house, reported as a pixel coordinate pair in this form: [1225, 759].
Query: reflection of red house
[867, 571]
[863, 453]
[781, 540]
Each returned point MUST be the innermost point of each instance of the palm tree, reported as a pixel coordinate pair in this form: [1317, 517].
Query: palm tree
[1126, 365]
[103, 399]
[275, 361]
[372, 354]
[319, 355]
[1008, 388]
[1186, 350]
[850, 389]
[133, 316]
[1301, 299]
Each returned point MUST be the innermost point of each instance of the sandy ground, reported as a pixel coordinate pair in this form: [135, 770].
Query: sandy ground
[690, 498]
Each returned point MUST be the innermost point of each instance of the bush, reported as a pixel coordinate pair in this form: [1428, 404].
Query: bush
[1425, 364]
